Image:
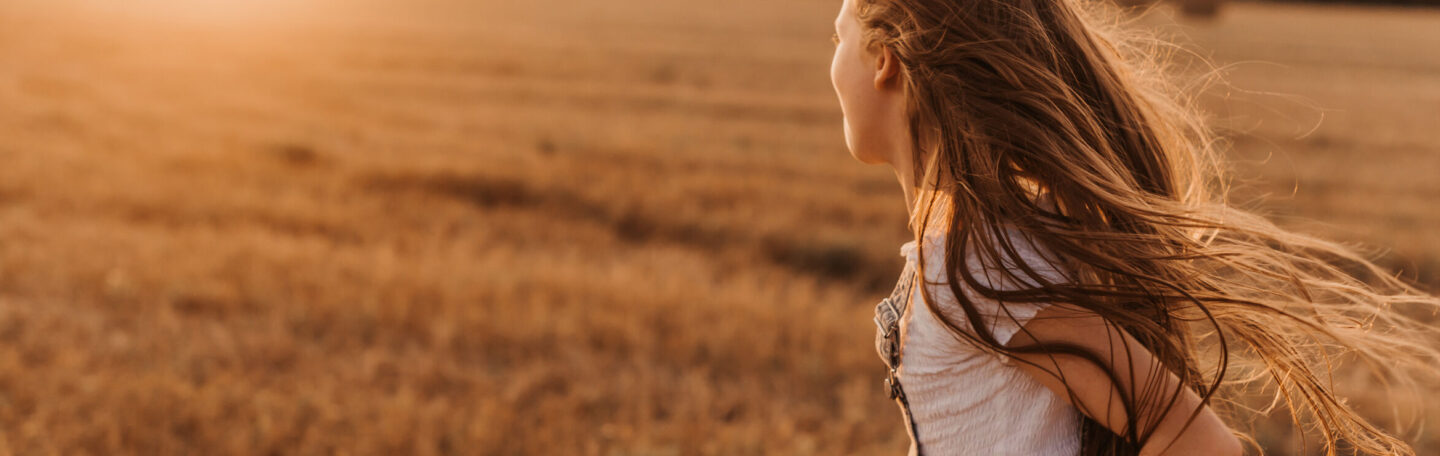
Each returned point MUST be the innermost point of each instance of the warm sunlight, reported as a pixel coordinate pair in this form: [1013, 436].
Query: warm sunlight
[635, 227]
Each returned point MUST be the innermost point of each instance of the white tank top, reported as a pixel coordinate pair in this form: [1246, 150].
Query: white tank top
[965, 400]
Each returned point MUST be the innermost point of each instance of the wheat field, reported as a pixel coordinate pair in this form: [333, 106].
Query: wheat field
[546, 227]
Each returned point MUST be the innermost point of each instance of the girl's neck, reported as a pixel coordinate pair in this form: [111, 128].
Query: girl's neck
[901, 161]
[907, 185]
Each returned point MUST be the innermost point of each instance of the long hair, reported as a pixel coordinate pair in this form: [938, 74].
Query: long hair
[1010, 99]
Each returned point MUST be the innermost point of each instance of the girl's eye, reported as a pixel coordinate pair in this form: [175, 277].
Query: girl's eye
[835, 38]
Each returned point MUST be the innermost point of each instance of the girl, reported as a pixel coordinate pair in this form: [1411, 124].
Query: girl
[1079, 284]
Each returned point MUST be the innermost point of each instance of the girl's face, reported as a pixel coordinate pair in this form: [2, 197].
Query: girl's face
[864, 79]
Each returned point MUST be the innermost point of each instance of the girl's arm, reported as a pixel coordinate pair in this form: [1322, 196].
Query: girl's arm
[1206, 435]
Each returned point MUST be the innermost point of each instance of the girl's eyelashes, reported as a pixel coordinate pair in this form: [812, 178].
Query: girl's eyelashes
[835, 38]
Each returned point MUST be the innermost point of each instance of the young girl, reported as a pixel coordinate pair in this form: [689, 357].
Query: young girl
[1077, 284]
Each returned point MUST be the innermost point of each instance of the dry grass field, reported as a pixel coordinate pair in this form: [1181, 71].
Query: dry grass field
[543, 227]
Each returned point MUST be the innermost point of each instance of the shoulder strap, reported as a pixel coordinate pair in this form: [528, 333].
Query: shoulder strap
[890, 309]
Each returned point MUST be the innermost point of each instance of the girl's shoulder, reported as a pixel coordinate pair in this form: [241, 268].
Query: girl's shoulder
[1009, 250]
[989, 252]
[1016, 262]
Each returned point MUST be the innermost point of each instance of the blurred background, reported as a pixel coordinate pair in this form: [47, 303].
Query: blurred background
[624, 227]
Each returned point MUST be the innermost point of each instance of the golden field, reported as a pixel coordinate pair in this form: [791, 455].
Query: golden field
[545, 227]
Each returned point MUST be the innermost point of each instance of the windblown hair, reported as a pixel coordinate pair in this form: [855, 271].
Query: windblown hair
[1009, 99]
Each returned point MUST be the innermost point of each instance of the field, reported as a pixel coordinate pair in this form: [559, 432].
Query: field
[544, 227]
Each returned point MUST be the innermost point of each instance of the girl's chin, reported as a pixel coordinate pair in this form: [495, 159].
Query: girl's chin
[869, 159]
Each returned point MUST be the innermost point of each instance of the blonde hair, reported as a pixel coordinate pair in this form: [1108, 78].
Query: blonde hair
[1011, 98]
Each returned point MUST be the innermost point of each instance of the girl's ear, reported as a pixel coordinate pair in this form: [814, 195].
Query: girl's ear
[887, 68]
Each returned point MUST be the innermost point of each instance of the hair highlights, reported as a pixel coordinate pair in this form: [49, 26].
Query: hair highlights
[1011, 99]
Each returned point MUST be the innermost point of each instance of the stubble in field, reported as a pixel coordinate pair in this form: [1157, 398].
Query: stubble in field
[535, 227]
